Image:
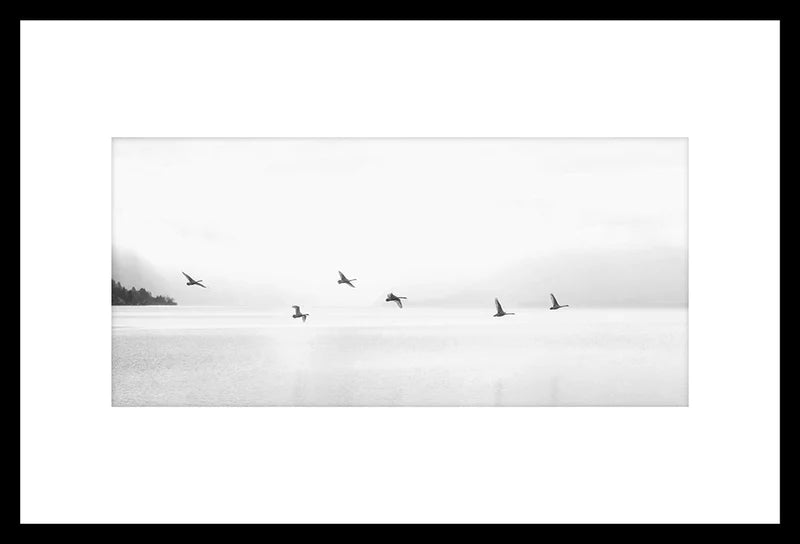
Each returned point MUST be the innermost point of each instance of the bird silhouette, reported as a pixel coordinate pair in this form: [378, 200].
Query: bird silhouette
[500, 312]
[343, 279]
[297, 313]
[391, 297]
[556, 305]
[192, 281]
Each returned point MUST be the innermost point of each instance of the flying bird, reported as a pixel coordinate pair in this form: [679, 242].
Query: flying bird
[391, 297]
[343, 279]
[500, 312]
[556, 305]
[298, 314]
[193, 282]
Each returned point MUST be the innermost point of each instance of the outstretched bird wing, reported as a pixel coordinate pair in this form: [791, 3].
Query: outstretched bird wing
[188, 277]
[341, 276]
[555, 302]
[399, 303]
[497, 305]
[304, 318]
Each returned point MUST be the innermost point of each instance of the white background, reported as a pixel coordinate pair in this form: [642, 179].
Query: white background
[85, 82]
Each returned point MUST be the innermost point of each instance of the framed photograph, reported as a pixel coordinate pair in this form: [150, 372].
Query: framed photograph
[400, 271]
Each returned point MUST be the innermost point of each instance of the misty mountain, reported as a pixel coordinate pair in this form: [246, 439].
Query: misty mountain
[655, 276]
[128, 268]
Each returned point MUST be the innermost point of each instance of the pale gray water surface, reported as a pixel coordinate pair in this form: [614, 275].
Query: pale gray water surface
[385, 356]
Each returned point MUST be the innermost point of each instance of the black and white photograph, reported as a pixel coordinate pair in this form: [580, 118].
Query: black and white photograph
[399, 272]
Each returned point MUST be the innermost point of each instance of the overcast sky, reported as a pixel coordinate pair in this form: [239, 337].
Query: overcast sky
[442, 221]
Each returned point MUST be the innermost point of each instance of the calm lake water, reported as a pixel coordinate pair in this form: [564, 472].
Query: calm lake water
[385, 356]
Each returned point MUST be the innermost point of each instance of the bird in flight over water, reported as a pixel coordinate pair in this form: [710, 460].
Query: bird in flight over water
[556, 305]
[343, 279]
[298, 314]
[391, 297]
[193, 282]
[500, 312]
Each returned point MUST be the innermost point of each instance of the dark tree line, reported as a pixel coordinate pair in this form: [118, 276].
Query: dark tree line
[120, 296]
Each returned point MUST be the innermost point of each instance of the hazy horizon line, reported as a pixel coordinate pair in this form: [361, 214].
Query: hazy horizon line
[406, 307]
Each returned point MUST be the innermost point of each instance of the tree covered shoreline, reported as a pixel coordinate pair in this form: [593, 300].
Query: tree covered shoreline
[120, 296]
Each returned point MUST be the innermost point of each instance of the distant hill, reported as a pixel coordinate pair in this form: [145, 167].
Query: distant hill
[131, 268]
[120, 296]
[648, 277]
